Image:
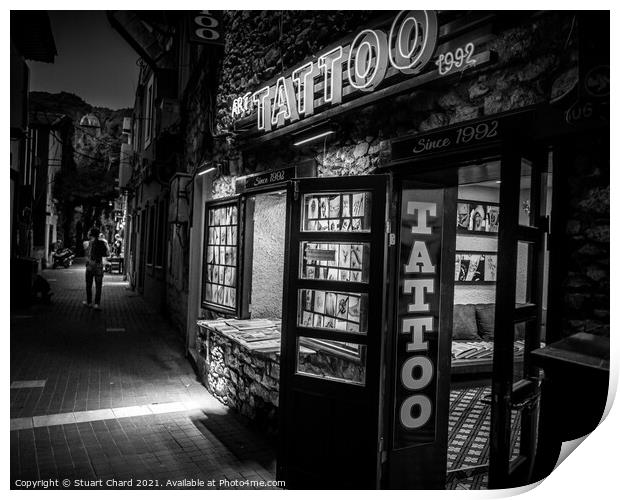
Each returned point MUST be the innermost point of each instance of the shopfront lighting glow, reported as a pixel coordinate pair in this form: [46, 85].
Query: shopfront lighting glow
[313, 138]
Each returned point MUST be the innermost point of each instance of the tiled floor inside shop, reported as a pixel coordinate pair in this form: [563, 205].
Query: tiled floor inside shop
[469, 428]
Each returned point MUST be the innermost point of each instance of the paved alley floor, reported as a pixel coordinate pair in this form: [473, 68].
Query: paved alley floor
[107, 399]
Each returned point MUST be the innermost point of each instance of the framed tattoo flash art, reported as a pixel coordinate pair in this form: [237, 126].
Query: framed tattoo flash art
[221, 257]
[475, 268]
[475, 217]
[336, 212]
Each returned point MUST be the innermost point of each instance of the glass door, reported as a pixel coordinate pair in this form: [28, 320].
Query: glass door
[467, 313]
[521, 299]
[421, 329]
[332, 333]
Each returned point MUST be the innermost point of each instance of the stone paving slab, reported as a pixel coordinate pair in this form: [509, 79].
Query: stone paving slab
[120, 401]
[27, 384]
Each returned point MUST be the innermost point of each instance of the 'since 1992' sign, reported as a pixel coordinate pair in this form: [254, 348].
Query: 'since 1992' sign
[447, 140]
[268, 178]
[418, 318]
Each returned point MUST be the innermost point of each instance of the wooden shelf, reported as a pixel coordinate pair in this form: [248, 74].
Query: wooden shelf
[475, 233]
[470, 283]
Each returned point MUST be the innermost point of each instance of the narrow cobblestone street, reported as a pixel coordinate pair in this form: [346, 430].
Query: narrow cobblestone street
[109, 395]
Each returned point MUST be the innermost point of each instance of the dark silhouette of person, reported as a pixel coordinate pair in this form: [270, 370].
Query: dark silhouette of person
[96, 250]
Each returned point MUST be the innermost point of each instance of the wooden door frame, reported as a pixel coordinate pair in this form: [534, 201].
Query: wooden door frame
[376, 331]
[509, 153]
[505, 393]
[395, 464]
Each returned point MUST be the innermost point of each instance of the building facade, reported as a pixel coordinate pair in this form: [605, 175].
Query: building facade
[150, 157]
[372, 210]
[46, 155]
[31, 39]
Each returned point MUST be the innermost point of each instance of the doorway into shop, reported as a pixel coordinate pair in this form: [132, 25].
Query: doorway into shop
[495, 304]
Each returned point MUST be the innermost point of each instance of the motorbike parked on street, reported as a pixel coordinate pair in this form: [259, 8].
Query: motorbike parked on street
[63, 257]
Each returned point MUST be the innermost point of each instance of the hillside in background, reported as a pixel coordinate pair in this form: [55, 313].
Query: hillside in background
[75, 107]
[86, 185]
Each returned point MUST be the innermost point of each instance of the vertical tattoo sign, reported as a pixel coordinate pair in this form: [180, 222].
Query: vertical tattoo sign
[418, 318]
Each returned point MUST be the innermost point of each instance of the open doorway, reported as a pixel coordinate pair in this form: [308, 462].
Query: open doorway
[475, 275]
[474, 339]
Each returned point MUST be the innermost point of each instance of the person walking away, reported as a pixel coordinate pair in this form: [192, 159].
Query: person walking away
[96, 251]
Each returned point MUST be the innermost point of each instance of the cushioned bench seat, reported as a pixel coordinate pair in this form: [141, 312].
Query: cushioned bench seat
[472, 340]
[476, 356]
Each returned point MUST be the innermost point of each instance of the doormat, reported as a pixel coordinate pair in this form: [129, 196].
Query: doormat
[469, 429]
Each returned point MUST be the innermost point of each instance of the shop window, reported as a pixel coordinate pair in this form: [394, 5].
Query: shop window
[330, 310]
[334, 261]
[329, 314]
[243, 265]
[336, 212]
[221, 257]
[338, 361]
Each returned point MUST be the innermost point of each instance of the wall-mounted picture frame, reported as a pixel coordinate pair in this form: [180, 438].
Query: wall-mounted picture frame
[477, 217]
[337, 261]
[475, 268]
[326, 310]
[337, 212]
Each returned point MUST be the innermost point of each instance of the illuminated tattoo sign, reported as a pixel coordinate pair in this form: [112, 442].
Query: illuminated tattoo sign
[460, 58]
[418, 318]
[361, 66]
[242, 106]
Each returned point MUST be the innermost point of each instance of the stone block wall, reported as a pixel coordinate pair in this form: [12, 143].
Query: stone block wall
[241, 379]
[249, 381]
[586, 299]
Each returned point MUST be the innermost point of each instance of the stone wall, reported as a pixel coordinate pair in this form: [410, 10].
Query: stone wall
[586, 244]
[249, 381]
[243, 380]
[261, 44]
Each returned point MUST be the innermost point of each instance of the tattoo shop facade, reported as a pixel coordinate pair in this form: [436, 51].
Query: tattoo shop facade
[372, 225]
